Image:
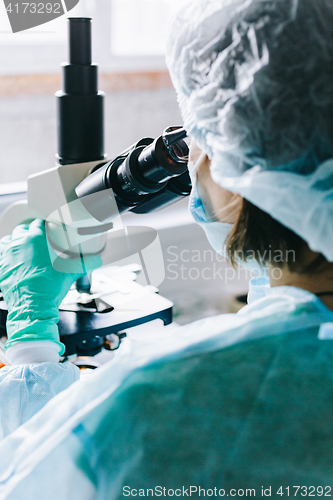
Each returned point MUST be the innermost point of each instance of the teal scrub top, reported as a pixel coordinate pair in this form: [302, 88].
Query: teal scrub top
[227, 404]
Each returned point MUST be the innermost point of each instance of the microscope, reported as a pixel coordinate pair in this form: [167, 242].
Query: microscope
[81, 200]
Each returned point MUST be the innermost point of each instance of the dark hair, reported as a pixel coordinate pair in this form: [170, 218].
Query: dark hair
[257, 235]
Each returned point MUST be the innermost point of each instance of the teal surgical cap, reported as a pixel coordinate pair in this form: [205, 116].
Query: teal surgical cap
[254, 83]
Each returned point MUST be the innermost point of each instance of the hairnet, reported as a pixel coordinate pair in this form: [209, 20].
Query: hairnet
[254, 83]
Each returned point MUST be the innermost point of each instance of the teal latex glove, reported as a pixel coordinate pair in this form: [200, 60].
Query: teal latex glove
[31, 287]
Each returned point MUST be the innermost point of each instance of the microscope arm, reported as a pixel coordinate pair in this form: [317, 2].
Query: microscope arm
[15, 214]
[51, 197]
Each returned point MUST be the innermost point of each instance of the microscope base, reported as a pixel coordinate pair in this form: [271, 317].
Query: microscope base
[84, 332]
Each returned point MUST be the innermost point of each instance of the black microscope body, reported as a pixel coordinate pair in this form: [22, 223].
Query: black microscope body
[148, 176]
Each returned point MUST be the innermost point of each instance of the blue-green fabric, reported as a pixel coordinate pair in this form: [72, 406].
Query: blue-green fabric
[249, 406]
[32, 289]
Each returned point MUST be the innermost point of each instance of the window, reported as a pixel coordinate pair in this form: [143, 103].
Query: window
[138, 26]
[127, 35]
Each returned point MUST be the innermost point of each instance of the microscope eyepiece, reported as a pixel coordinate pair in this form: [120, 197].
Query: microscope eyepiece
[142, 176]
[173, 141]
[80, 40]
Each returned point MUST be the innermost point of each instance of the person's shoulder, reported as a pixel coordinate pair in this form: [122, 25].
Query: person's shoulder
[205, 382]
[243, 362]
[190, 415]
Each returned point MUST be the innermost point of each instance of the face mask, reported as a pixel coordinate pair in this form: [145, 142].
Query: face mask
[216, 232]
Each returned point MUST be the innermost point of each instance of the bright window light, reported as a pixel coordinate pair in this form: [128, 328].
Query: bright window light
[138, 26]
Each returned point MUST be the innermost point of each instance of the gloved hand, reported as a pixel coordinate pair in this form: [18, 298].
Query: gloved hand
[31, 287]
